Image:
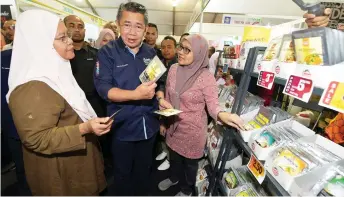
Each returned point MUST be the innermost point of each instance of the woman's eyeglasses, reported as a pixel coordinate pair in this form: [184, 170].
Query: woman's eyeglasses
[65, 38]
[184, 49]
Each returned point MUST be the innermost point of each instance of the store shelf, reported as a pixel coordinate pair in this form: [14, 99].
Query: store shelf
[278, 80]
[275, 187]
[222, 188]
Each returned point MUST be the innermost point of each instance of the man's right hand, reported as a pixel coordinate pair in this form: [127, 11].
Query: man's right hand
[145, 91]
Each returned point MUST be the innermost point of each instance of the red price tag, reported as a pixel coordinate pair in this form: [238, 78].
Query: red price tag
[257, 169]
[266, 79]
[299, 87]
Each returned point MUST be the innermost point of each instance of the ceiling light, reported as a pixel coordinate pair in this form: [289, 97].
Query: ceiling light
[175, 3]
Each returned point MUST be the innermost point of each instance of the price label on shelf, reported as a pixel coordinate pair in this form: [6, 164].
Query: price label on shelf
[257, 169]
[266, 79]
[299, 87]
[333, 96]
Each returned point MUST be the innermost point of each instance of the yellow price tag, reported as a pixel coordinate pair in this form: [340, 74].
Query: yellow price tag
[333, 96]
[257, 169]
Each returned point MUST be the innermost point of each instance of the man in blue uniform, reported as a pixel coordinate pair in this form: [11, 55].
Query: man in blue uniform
[8, 127]
[116, 78]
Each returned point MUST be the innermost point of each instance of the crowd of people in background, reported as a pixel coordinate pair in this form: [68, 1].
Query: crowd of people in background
[58, 93]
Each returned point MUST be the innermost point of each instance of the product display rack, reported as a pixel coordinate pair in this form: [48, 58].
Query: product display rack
[278, 80]
[231, 137]
[232, 142]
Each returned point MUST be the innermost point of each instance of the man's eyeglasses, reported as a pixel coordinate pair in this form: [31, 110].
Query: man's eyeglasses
[184, 49]
[136, 28]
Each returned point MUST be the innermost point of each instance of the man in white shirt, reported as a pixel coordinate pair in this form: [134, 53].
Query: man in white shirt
[213, 62]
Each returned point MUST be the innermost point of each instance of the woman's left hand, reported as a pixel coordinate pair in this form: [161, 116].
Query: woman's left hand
[163, 104]
[231, 120]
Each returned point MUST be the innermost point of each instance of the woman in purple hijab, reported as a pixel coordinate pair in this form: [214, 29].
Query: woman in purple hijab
[192, 89]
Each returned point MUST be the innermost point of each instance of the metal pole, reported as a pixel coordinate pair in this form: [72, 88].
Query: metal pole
[174, 20]
[201, 18]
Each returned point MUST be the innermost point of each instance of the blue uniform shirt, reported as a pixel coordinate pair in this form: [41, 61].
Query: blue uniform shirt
[119, 67]
[7, 123]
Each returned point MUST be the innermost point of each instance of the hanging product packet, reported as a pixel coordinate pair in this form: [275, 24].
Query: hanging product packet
[332, 183]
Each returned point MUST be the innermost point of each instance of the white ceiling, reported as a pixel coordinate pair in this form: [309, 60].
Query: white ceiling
[160, 12]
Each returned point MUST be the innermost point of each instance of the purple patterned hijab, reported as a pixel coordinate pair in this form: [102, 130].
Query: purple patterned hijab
[188, 74]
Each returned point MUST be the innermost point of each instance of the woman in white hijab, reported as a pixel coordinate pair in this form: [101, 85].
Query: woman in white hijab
[55, 122]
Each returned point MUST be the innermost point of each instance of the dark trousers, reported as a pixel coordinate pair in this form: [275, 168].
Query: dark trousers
[17, 156]
[184, 170]
[132, 167]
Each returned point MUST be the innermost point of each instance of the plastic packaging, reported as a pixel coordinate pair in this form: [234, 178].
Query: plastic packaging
[273, 49]
[332, 183]
[287, 53]
[240, 182]
[266, 116]
[298, 158]
[319, 46]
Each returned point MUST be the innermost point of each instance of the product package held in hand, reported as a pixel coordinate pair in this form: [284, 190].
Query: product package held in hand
[320, 46]
[153, 71]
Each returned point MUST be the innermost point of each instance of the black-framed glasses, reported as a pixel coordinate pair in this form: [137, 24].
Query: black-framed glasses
[184, 49]
[136, 28]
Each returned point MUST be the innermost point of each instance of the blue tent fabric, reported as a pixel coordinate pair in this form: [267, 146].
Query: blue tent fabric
[7, 123]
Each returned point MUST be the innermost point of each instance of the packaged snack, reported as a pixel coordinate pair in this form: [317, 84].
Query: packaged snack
[265, 139]
[168, 112]
[231, 180]
[297, 158]
[319, 46]
[244, 191]
[290, 163]
[332, 183]
[153, 71]
[272, 50]
[287, 53]
[335, 186]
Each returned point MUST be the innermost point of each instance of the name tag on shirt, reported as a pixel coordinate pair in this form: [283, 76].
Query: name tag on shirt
[89, 59]
[120, 66]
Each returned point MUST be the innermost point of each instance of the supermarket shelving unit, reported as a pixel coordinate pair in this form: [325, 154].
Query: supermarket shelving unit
[231, 136]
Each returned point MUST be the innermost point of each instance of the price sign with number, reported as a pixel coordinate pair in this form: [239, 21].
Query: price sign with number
[333, 96]
[266, 79]
[299, 87]
[257, 169]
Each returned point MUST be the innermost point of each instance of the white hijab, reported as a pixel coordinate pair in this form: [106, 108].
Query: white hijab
[34, 58]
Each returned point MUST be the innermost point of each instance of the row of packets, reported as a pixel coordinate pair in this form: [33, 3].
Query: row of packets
[317, 46]
[332, 183]
[276, 136]
[296, 158]
[266, 116]
[227, 98]
[240, 182]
